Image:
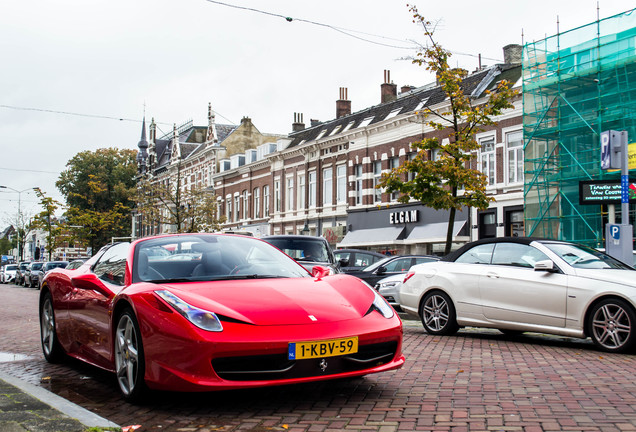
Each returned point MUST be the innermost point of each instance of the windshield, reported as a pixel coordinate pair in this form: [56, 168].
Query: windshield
[579, 256]
[208, 257]
[36, 266]
[306, 249]
[12, 267]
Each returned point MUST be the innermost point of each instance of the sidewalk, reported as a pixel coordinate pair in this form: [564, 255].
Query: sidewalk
[25, 407]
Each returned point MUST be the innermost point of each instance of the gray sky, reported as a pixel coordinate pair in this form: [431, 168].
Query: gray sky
[105, 59]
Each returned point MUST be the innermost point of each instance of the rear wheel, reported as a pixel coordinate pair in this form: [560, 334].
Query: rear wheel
[53, 351]
[438, 314]
[612, 325]
[129, 357]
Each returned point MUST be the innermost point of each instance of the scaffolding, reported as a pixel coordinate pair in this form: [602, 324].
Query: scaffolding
[576, 84]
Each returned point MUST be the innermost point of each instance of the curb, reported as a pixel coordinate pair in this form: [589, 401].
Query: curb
[67, 408]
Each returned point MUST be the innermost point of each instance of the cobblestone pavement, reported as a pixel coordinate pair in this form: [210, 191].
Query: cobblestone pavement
[479, 380]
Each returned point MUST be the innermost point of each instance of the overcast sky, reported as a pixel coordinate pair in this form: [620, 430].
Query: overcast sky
[71, 69]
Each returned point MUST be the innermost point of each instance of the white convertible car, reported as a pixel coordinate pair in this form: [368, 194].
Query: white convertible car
[517, 284]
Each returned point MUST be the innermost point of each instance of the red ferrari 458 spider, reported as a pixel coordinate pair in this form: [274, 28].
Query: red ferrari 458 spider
[199, 312]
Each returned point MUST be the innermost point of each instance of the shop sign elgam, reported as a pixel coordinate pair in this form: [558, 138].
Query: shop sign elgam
[406, 216]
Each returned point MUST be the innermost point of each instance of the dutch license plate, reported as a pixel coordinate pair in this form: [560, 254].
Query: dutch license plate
[326, 348]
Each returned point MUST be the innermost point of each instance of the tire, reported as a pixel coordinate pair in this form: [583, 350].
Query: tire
[51, 348]
[129, 357]
[612, 325]
[438, 314]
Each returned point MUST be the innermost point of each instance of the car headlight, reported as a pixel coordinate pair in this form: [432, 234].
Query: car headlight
[379, 304]
[201, 318]
[388, 284]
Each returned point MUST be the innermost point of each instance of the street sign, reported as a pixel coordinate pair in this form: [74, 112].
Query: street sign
[615, 232]
[605, 150]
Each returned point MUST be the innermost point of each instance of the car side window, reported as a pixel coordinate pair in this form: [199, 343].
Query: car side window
[399, 265]
[517, 255]
[364, 260]
[480, 254]
[423, 260]
[111, 267]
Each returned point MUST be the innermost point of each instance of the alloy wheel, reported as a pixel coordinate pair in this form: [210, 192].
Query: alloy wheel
[436, 312]
[611, 326]
[47, 325]
[127, 354]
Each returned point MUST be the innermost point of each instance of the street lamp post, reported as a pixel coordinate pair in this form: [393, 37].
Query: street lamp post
[19, 192]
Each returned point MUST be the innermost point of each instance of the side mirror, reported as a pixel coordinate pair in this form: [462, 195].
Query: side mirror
[344, 262]
[546, 266]
[320, 272]
[89, 281]
[380, 270]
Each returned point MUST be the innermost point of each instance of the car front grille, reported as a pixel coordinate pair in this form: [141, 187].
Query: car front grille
[279, 367]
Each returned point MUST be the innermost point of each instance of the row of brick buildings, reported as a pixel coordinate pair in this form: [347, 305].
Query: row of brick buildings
[320, 179]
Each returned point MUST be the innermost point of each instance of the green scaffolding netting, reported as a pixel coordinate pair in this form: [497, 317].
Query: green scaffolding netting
[576, 84]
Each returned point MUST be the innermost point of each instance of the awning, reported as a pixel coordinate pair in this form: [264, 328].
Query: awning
[371, 236]
[433, 232]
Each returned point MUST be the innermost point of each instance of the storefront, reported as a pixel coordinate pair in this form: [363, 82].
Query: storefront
[403, 229]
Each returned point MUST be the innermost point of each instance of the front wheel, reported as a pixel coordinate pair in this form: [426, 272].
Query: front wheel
[611, 324]
[438, 314]
[129, 357]
[53, 351]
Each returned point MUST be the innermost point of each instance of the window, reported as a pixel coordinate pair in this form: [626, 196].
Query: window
[488, 159]
[111, 267]
[411, 175]
[266, 200]
[359, 183]
[312, 189]
[517, 255]
[399, 265]
[341, 184]
[245, 204]
[377, 171]
[514, 144]
[257, 203]
[394, 163]
[228, 209]
[480, 254]
[237, 207]
[327, 186]
[277, 195]
[301, 191]
[290, 193]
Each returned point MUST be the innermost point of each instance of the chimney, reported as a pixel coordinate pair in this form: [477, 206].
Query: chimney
[406, 89]
[343, 106]
[388, 89]
[512, 54]
[315, 122]
[298, 124]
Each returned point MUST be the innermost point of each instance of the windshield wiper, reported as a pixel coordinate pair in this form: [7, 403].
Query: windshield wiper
[169, 280]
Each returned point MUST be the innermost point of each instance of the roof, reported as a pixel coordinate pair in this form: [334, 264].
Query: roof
[521, 240]
[413, 100]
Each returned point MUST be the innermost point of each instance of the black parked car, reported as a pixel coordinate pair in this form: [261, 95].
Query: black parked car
[307, 250]
[356, 259]
[391, 265]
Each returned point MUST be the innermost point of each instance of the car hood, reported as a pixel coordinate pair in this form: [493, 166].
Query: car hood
[290, 301]
[622, 277]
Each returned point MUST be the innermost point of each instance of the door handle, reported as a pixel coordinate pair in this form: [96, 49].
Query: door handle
[492, 275]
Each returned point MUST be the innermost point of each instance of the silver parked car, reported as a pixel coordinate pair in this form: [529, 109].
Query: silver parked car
[523, 284]
[7, 274]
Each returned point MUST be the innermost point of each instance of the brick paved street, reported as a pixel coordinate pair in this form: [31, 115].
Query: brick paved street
[479, 380]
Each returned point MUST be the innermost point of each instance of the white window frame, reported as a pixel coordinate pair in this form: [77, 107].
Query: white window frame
[359, 175]
[312, 189]
[341, 184]
[514, 156]
[245, 205]
[377, 172]
[327, 186]
[256, 198]
[301, 191]
[289, 198]
[266, 203]
[277, 202]
[488, 159]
